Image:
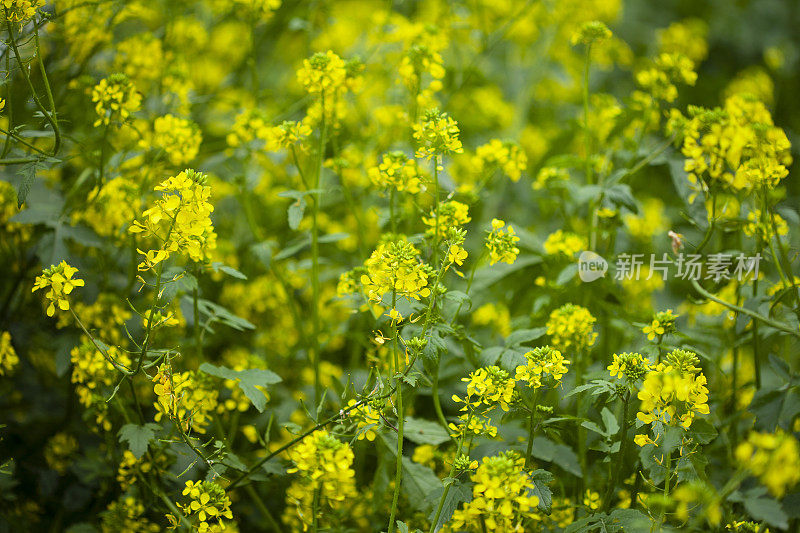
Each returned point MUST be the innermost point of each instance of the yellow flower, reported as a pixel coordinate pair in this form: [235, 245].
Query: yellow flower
[502, 496]
[8, 356]
[322, 73]
[541, 363]
[207, 506]
[772, 457]
[571, 327]
[456, 254]
[629, 366]
[21, 10]
[394, 269]
[179, 138]
[115, 98]
[398, 171]
[561, 242]
[436, 135]
[501, 242]
[58, 279]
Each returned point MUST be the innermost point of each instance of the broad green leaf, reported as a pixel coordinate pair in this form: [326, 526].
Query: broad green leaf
[138, 437]
[459, 493]
[422, 431]
[541, 479]
[248, 380]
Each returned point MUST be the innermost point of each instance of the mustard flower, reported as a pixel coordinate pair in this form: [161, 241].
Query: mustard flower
[394, 268]
[58, 279]
[436, 134]
[663, 323]
[115, 98]
[502, 496]
[21, 11]
[540, 363]
[207, 506]
[675, 392]
[180, 220]
[8, 356]
[632, 367]
[565, 243]
[322, 73]
[774, 458]
[501, 242]
[571, 327]
[398, 171]
[179, 138]
[505, 155]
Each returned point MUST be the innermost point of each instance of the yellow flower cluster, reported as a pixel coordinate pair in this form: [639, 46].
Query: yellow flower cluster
[326, 463]
[188, 398]
[21, 11]
[418, 61]
[394, 268]
[179, 138]
[571, 327]
[737, 146]
[507, 156]
[564, 242]
[115, 98]
[398, 171]
[663, 323]
[591, 32]
[686, 37]
[367, 419]
[668, 69]
[127, 515]
[8, 356]
[249, 125]
[495, 315]
[629, 366]
[323, 73]
[208, 505]
[502, 243]
[452, 214]
[437, 134]
[651, 221]
[540, 363]
[58, 451]
[743, 526]
[765, 229]
[502, 496]
[286, 134]
[91, 373]
[130, 468]
[58, 279]
[673, 393]
[180, 220]
[111, 206]
[489, 386]
[772, 457]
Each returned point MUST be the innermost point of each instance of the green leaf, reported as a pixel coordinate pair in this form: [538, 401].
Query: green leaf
[610, 421]
[138, 437]
[28, 173]
[459, 493]
[525, 335]
[217, 313]
[248, 381]
[620, 195]
[566, 274]
[422, 431]
[232, 272]
[631, 520]
[418, 482]
[702, 431]
[767, 510]
[541, 479]
[295, 212]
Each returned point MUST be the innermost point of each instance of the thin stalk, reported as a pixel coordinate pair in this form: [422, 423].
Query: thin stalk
[531, 430]
[398, 477]
[198, 343]
[315, 510]
[442, 499]
[315, 257]
[623, 448]
[273, 524]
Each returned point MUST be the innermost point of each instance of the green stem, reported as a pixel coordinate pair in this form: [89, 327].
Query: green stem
[531, 430]
[398, 477]
[442, 499]
[315, 257]
[198, 343]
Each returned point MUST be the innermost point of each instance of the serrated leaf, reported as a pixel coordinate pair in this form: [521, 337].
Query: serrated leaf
[459, 493]
[541, 479]
[609, 421]
[248, 380]
[421, 431]
[138, 437]
[28, 173]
